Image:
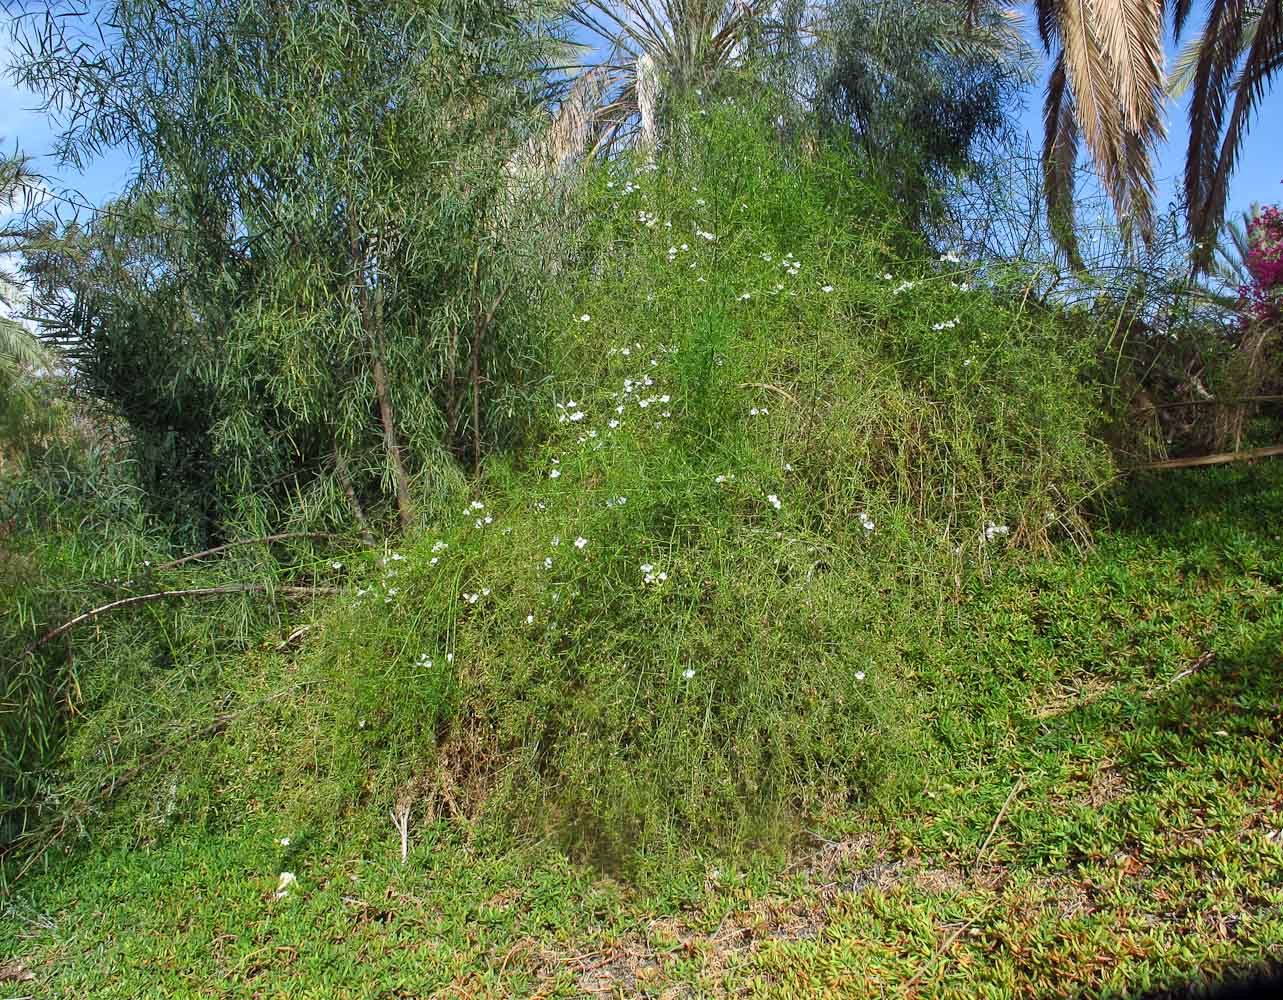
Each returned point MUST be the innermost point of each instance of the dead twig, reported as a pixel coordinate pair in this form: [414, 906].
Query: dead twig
[998, 819]
[247, 541]
[165, 595]
[1220, 458]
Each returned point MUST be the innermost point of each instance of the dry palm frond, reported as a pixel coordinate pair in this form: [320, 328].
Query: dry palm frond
[1109, 78]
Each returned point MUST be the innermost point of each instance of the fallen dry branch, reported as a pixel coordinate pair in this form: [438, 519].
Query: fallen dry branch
[1220, 458]
[322, 535]
[164, 595]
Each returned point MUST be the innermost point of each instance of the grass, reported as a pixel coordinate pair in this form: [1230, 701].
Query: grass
[1093, 808]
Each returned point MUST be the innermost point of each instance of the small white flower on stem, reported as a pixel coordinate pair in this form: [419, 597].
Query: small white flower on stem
[688, 673]
[580, 542]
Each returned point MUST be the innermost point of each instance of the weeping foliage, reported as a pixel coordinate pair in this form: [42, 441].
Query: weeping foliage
[915, 88]
[318, 188]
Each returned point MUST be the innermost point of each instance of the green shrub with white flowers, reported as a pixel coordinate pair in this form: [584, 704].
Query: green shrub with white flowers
[778, 434]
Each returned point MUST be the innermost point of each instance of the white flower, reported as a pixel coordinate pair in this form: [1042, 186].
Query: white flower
[951, 257]
[449, 657]
[647, 568]
[284, 841]
[773, 500]
[477, 505]
[556, 540]
[530, 619]
[859, 675]
[434, 560]
[361, 724]
[485, 591]
[613, 424]
[745, 297]
[336, 565]
[397, 557]
[788, 467]
[438, 546]
[392, 592]
[584, 318]
[554, 474]
[827, 288]
[688, 673]
[580, 542]
[471, 598]
[547, 563]
[992, 530]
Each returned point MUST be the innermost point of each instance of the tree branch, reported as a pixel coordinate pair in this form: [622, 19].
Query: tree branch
[163, 595]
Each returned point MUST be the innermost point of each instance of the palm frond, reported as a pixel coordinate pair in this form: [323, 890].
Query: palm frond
[1181, 77]
[1059, 154]
[1262, 61]
[1212, 75]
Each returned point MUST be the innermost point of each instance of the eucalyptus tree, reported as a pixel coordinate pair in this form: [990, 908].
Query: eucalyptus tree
[331, 176]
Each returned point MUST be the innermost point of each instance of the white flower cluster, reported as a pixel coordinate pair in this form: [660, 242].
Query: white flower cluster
[773, 500]
[647, 219]
[650, 576]
[866, 522]
[947, 324]
[903, 286]
[992, 530]
[950, 258]
[791, 264]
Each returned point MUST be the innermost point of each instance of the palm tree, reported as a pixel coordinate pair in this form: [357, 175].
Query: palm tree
[1107, 90]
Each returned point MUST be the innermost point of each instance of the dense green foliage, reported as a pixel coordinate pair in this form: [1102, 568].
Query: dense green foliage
[305, 306]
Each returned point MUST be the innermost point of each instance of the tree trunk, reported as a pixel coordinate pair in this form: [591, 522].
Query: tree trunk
[372, 323]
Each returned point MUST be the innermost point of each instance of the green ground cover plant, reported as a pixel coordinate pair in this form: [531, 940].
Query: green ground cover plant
[1095, 812]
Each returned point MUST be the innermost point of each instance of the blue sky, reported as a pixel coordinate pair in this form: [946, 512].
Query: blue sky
[1256, 180]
